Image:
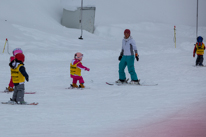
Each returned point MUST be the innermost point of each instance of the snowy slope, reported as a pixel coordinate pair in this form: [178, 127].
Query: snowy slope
[173, 108]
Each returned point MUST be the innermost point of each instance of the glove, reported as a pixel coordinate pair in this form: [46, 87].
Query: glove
[193, 55]
[27, 79]
[87, 69]
[10, 89]
[120, 57]
[137, 58]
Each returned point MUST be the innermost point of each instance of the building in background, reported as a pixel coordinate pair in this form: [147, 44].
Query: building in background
[71, 19]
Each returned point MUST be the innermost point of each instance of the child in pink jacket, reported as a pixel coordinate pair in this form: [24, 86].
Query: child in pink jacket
[75, 70]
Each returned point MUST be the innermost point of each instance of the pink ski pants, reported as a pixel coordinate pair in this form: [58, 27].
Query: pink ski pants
[76, 78]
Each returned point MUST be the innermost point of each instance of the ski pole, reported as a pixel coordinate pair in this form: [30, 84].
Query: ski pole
[5, 45]
[80, 21]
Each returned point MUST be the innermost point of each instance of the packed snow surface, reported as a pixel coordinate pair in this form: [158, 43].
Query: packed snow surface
[174, 108]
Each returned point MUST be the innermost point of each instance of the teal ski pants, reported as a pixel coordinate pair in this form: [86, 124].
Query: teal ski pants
[129, 62]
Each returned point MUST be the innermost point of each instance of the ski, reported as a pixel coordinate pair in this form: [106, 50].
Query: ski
[14, 103]
[12, 92]
[123, 84]
[198, 66]
[126, 84]
[78, 88]
[109, 83]
[34, 103]
[114, 83]
[29, 92]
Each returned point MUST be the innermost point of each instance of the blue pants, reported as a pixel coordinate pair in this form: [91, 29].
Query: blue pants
[129, 62]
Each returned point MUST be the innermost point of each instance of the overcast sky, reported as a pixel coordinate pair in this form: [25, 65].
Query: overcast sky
[133, 11]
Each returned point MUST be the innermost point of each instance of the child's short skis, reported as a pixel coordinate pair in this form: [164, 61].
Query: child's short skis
[7, 91]
[15, 103]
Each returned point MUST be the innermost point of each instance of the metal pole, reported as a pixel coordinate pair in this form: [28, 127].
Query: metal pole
[197, 21]
[5, 45]
[81, 20]
[175, 35]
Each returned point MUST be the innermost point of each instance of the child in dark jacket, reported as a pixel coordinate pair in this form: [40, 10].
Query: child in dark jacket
[199, 50]
[18, 74]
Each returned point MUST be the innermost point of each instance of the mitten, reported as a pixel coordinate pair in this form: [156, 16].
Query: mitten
[27, 79]
[10, 89]
[120, 57]
[193, 55]
[87, 69]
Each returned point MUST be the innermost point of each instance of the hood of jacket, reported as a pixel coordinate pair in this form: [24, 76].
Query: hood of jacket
[130, 37]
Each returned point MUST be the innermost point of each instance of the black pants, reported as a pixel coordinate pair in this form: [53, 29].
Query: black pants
[199, 60]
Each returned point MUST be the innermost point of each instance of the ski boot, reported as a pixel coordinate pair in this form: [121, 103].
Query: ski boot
[81, 86]
[119, 81]
[22, 103]
[74, 85]
[134, 82]
[12, 101]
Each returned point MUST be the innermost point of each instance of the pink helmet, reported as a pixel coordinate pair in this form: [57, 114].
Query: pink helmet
[78, 56]
[17, 50]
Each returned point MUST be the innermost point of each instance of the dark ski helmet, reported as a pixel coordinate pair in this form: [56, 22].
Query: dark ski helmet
[199, 39]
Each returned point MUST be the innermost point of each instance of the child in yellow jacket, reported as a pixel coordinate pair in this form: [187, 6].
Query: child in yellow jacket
[199, 50]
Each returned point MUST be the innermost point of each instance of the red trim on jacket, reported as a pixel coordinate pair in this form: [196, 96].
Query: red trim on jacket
[196, 48]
